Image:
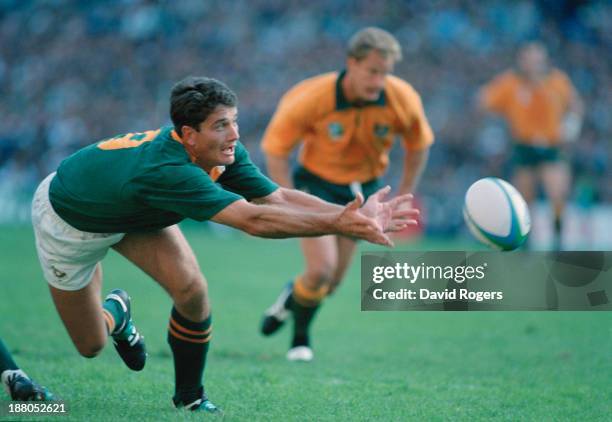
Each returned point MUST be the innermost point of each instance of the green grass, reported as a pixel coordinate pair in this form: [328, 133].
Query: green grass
[384, 366]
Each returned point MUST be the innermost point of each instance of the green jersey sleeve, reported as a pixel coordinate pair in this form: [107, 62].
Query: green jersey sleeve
[244, 178]
[184, 190]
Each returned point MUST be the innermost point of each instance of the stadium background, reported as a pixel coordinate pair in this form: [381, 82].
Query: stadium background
[75, 72]
[72, 73]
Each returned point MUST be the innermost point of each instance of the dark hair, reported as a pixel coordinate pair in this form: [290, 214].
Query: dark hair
[194, 98]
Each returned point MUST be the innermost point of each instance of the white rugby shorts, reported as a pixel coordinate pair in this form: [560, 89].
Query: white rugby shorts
[68, 256]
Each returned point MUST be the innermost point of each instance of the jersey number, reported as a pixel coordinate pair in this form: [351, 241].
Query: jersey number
[131, 140]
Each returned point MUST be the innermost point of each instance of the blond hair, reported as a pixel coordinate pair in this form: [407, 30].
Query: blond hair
[373, 38]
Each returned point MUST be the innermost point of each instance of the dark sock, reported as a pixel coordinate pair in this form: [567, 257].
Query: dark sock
[304, 304]
[558, 226]
[302, 318]
[6, 360]
[116, 312]
[189, 343]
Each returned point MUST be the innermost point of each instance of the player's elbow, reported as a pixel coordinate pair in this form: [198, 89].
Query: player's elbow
[259, 226]
[249, 218]
[280, 196]
[252, 227]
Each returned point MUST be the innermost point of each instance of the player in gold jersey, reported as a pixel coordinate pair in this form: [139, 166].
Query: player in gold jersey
[542, 109]
[346, 123]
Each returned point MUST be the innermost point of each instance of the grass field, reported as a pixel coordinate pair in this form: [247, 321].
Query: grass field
[386, 366]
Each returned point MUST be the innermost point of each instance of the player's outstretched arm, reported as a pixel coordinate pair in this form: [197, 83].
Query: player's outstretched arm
[402, 214]
[298, 200]
[276, 221]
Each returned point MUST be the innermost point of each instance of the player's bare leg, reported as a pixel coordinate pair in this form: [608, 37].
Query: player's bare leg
[320, 279]
[525, 181]
[309, 290]
[346, 250]
[325, 282]
[556, 182]
[302, 295]
[321, 259]
[81, 313]
[89, 322]
[166, 256]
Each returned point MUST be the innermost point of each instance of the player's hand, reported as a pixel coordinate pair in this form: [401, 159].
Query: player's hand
[393, 215]
[571, 127]
[352, 222]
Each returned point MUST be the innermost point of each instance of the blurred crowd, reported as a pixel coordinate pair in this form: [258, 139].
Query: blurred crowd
[74, 72]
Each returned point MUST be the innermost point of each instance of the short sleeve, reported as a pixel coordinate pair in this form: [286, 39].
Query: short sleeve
[244, 178]
[414, 127]
[494, 95]
[185, 190]
[287, 126]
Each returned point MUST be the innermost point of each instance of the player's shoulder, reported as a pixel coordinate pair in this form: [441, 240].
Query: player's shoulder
[321, 81]
[164, 151]
[558, 76]
[399, 87]
[505, 81]
[508, 76]
[167, 137]
[313, 89]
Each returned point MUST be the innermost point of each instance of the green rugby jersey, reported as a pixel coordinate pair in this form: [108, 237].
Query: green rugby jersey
[146, 181]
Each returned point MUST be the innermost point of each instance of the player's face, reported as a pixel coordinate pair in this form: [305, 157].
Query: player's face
[533, 61]
[367, 75]
[215, 143]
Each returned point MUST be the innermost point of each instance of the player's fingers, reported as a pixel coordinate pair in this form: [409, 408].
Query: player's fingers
[408, 213]
[376, 235]
[386, 241]
[402, 200]
[382, 193]
[395, 226]
[356, 203]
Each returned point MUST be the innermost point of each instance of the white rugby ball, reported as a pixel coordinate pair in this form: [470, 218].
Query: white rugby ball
[496, 214]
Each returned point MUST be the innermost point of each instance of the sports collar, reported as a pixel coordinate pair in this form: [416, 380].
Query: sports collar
[342, 103]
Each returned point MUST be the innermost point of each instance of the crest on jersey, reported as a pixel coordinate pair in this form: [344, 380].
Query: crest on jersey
[335, 130]
[380, 130]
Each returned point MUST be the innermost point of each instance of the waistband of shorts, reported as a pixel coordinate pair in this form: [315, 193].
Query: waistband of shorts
[303, 171]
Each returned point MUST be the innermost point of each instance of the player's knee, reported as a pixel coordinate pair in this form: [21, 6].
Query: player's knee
[333, 286]
[319, 277]
[192, 291]
[90, 349]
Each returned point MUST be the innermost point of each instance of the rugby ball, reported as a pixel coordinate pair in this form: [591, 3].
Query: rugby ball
[496, 214]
